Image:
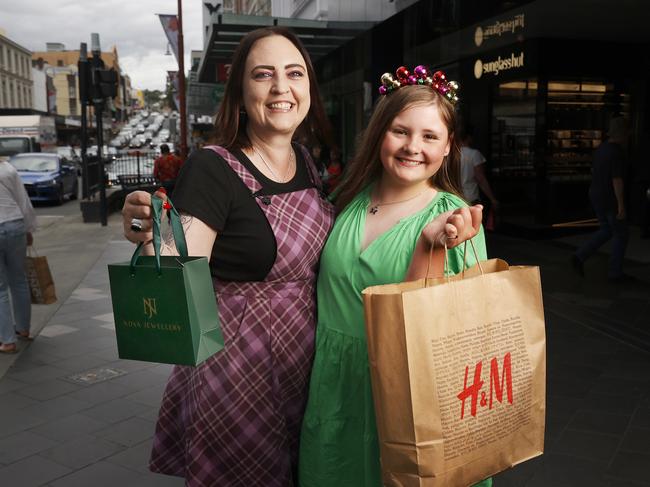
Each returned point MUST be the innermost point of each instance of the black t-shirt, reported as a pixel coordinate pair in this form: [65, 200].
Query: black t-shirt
[608, 163]
[208, 189]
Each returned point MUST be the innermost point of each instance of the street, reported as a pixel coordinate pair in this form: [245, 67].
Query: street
[48, 210]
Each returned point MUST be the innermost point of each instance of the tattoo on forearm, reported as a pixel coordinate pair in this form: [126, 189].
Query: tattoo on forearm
[168, 246]
[186, 221]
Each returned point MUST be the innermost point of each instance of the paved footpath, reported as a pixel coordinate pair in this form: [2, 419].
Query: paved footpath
[73, 414]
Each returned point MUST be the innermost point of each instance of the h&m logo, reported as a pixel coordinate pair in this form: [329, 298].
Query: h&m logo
[496, 385]
[149, 307]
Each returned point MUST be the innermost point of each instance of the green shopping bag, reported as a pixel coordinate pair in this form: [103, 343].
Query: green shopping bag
[164, 306]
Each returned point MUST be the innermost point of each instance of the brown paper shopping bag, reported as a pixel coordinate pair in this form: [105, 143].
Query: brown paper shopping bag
[458, 374]
[41, 284]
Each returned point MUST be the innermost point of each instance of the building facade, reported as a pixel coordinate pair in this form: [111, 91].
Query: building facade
[16, 83]
[336, 10]
[39, 91]
[246, 7]
[540, 81]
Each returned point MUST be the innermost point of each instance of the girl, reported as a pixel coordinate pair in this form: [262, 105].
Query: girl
[392, 204]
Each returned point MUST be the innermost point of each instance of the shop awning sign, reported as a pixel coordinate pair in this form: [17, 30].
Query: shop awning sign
[510, 25]
[498, 65]
[203, 98]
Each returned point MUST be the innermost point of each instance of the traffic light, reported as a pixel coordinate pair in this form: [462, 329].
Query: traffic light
[95, 81]
[106, 83]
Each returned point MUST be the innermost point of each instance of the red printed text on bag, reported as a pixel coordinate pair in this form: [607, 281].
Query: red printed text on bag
[476, 392]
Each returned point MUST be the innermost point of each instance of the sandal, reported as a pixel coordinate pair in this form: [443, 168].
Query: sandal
[9, 350]
[26, 337]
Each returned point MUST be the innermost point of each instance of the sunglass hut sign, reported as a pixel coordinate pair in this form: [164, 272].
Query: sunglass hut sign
[501, 27]
[498, 65]
[512, 26]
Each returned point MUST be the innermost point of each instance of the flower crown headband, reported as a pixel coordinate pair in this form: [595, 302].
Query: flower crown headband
[438, 81]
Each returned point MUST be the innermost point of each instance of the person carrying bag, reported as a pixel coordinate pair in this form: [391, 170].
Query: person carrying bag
[17, 222]
[164, 307]
[457, 367]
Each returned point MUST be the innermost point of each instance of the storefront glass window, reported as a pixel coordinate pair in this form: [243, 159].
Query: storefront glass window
[578, 113]
[513, 129]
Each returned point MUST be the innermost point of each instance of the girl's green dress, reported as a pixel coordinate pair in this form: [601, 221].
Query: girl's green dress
[338, 445]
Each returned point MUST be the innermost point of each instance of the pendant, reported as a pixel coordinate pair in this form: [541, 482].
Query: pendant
[374, 209]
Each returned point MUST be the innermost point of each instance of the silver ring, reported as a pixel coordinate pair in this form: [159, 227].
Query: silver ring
[136, 224]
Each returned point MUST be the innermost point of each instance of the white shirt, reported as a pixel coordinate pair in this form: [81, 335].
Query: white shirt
[469, 159]
[14, 202]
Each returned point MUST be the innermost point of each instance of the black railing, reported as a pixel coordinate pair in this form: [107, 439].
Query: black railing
[130, 170]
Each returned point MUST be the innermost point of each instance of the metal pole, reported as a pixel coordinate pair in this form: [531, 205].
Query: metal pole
[83, 95]
[98, 102]
[137, 156]
[181, 82]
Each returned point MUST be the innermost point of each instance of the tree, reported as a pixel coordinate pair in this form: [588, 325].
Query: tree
[152, 96]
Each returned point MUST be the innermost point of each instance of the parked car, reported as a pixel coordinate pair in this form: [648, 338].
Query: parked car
[71, 155]
[47, 177]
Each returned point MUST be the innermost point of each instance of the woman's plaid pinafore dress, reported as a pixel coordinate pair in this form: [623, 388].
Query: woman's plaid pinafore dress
[235, 419]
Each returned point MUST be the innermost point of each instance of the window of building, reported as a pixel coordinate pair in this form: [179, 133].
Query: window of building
[16, 65]
[72, 86]
[12, 95]
[72, 106]
[2, 56]
[3, 94]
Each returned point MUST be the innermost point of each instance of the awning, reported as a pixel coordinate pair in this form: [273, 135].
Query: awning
[319, 37]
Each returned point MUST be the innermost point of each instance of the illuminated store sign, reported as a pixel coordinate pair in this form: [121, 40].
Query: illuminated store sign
[498, 65]
[498, 28]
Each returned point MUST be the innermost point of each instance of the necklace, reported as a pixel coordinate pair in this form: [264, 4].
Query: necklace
[288, 170]
[375, 208]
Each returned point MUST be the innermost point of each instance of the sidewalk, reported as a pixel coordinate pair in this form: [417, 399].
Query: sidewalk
[73, 414]
[598, 369]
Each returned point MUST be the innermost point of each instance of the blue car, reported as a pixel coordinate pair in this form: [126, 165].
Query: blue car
[47, 177]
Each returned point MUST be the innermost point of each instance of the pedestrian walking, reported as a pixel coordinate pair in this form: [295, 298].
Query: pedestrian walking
[473, 174]
[606, 193]
[17, 222]
[399, 197]
[642, 175]
[333, 171]
[166, 168]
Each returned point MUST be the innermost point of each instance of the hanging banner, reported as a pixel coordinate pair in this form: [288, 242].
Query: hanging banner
[170, 26]
[51, 94]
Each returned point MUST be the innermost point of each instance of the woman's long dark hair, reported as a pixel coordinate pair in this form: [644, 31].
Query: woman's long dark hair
[230, 126]
[366, 165]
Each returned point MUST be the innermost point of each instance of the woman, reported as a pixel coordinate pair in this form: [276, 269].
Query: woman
[252, 205]
[400, 196]
[17, 222]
